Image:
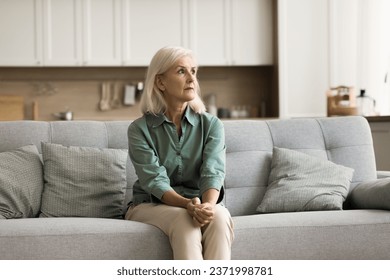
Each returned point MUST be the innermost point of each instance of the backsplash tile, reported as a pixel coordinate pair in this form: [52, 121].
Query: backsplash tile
[80, 89]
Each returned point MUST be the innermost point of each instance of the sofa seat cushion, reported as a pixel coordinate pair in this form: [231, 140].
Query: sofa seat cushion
[83, 181]
[301, 182]
[315, 235]
[81, 239]
[21, 183]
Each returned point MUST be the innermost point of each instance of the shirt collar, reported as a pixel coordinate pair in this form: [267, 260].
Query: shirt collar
[155, 120]
[191, 116]
[159, 119]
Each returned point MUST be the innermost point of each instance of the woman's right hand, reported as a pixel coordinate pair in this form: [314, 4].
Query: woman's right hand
[201, 214]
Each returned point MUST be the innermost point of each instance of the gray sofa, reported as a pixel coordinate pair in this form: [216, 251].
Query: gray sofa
[351, 233]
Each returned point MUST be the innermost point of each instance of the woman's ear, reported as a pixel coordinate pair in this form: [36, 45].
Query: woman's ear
[159, 82]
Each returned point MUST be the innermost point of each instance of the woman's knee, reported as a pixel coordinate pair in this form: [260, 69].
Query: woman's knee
[221, 225]
[222, 217]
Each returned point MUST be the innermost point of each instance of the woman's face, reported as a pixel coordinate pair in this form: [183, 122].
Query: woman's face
[178, 84]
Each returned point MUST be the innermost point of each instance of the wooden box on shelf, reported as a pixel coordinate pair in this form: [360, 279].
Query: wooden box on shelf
[341, 101]
[11, 107]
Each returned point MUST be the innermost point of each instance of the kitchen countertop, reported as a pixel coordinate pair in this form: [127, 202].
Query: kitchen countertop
[378, 118]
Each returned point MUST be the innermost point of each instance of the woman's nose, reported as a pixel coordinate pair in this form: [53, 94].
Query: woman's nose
[190, 77]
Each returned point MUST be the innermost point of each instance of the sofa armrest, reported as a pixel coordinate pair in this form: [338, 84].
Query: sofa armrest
[383, 174]
[373, 194]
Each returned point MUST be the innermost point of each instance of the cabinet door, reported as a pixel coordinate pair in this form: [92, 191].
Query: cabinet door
[303, 57]
[209, 31]
[150, 25]
[102, 32]
[252, 32]
[20, 33]
[62, 33]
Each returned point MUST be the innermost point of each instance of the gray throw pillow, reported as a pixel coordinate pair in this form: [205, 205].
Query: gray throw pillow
[300, 182]
[83, 181]
[21, 183]
[372, 195]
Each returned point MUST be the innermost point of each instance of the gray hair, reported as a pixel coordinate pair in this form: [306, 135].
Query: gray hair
[152, 100]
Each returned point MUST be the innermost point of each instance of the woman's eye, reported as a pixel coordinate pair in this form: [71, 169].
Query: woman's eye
[183, 71]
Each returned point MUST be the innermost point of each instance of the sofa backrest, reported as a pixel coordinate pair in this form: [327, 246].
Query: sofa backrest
[343, 140]
[111, 134]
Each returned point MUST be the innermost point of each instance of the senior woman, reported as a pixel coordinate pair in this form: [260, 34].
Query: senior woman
[178, 152]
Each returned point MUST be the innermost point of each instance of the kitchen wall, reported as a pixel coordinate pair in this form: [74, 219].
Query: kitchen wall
[80, 89]
[328, 43]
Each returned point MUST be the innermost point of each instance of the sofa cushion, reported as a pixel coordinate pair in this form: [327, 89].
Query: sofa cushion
[83, 181]
[300, 182]
[21, 183]
[372, 195]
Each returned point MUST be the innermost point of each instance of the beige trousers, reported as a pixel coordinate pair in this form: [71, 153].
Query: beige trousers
[188, 242]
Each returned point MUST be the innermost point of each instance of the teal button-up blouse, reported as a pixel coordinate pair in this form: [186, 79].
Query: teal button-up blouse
[163, 161]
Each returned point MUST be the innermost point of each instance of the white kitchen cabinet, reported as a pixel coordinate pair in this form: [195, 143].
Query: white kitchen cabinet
[150, 25]
[209, 31]
[102, 32]
[303, 31]
[129, 32]
[343, 37]
[232, 32]
[20, 33]
[62, 36]
[60, 33]
[252, 32]
[220, 32]
[82, 33]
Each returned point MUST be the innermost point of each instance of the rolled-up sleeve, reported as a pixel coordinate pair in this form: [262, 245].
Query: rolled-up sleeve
[152, 177]
[212, 172]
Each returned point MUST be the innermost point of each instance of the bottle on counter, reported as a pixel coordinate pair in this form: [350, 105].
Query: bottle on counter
[365, 104]
[211, 104]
